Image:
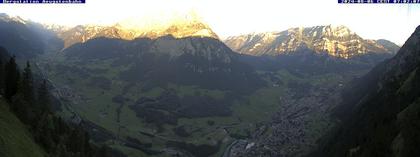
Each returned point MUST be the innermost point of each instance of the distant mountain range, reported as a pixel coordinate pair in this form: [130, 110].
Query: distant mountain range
[338, 41]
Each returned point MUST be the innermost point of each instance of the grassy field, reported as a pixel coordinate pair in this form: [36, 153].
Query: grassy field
[247, 112]
[15, 140]
[100, 109]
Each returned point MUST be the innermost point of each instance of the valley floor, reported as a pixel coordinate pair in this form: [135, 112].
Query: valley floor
[282, 119]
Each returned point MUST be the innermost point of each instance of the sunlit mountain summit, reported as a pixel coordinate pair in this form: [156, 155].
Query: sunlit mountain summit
[338, 41]
[179, 25]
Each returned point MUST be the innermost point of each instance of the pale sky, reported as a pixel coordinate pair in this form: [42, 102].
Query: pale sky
[234, 17]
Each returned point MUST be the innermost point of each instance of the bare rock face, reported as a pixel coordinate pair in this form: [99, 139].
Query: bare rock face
[208, 48]
[188, 26]
[336, 41]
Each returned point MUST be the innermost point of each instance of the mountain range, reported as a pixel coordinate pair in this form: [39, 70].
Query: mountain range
[180, 27]
[338, 41]
[19, 36]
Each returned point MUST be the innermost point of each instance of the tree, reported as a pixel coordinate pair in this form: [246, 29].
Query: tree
[43, 99]
[12, 78]
[23, 100]
[22, 109]
[2, 73]
[3, 59]
[44, 133]
[103, 152]
[27, 84]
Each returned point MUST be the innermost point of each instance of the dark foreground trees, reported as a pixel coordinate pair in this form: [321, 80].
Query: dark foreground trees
[30, 102]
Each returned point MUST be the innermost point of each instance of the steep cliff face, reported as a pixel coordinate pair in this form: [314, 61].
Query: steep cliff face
[338, 41]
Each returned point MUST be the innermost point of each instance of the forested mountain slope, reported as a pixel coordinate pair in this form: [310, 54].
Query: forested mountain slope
[381, 111]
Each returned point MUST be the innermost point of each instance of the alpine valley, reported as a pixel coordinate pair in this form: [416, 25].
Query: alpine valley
[177, 89]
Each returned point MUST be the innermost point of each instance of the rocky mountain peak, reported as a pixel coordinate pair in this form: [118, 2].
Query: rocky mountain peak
[179, 26]
[7, 18]
[338, 41]
[339, 30]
